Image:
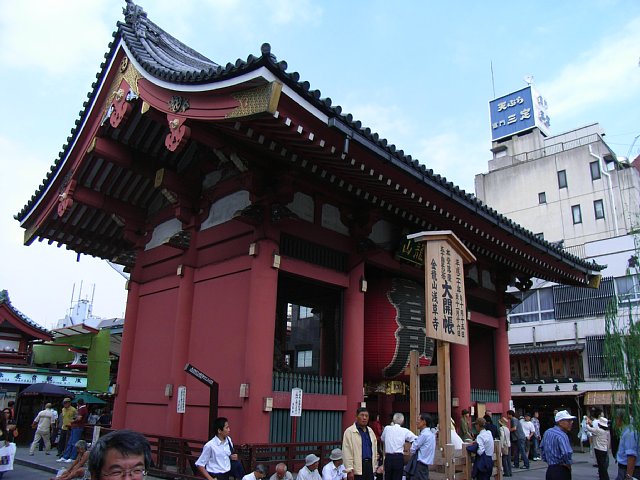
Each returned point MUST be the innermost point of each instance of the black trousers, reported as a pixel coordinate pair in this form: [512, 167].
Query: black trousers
[393, 466]
[603, 463]
[62, 442]
[220, 476]
[558, 472]
[367, 471]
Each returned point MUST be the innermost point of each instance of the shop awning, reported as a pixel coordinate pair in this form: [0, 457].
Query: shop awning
[575, 347]
[606, 397]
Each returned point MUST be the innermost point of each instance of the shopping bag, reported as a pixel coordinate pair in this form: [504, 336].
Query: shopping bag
[7, 454]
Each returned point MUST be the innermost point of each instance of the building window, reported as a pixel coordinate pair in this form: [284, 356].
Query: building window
[536, 305]
[562, 179]
[305, 359]
[595, 170]
[542, 197]
[576, 213]
[305, 312]
[628, 289]
[595, 356]
[598, 208]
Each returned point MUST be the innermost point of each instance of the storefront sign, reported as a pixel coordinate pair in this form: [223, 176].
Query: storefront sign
[517, 112]
[27, 378]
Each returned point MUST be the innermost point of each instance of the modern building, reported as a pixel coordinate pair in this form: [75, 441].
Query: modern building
[265, 232]
[571, 190]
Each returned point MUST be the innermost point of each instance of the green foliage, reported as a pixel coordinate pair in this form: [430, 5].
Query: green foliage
[622, 349]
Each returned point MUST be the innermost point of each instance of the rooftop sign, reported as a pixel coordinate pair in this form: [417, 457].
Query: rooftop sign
[518, 112]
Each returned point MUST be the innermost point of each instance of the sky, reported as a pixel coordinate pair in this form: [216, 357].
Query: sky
[419, 73]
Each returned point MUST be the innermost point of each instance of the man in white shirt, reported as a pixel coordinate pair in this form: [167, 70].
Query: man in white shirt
[310, 469]
[258, 473]
[394, 437]
[216, 456]
[281, 473]
[42, 423]
[529, 431]
[334, 470]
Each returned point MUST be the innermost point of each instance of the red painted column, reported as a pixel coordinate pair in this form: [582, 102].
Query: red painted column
[353, 345]
[126, 355]
[460, 379]
[258, 345]
[181, 333]
[503, 366]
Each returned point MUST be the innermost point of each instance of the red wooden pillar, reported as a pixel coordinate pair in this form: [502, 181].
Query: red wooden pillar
[258, 344]
[353, 349]
[460, 379]
[503, 366]
[126, 355]
[181, 333]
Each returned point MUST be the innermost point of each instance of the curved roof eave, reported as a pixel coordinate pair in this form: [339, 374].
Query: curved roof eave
[271, 69]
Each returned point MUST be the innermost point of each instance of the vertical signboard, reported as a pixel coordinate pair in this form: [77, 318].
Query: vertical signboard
[296, 402]
[181, 404]
[446, 311]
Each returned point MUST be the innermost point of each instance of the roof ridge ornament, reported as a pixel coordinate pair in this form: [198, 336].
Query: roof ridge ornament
[134, 14]
[265, 49]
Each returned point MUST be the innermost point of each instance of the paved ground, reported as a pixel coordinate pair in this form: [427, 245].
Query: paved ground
[42, 466]
[36, 467]
[582, 469]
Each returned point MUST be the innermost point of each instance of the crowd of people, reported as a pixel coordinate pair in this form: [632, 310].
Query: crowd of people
[368, 451]
[521, 439]
[360, 458]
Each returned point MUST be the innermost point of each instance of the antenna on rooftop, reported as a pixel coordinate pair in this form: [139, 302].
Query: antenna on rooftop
[93, 293]
[493, 83]
[73, 290]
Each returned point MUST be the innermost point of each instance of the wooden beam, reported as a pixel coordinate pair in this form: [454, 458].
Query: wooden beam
[414, 390]
[444, 393]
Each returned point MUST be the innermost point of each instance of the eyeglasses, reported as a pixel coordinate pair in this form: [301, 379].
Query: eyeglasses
[133, 473]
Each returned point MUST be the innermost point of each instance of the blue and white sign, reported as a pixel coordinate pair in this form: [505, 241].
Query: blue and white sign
[517, 112]
[27, 378]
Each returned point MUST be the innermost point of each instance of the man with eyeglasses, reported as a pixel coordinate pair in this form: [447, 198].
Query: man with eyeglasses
[123, 454]
[556, 448]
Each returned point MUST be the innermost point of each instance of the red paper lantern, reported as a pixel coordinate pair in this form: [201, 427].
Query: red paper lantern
[395, 324]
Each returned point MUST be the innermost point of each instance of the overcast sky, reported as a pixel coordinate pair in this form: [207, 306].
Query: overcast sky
[417, 72]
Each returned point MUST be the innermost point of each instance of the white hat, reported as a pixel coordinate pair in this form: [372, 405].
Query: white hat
[603, 422]
[336, 454]
[564, 415]
[311, 459]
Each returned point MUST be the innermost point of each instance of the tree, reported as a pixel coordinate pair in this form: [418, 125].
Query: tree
[622, 343]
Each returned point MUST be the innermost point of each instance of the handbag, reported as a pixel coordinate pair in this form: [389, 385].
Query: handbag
[7, 455]
[237, 470]
[411, 466]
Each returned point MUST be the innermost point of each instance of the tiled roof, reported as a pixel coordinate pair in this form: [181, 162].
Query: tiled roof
[576, 347]
[4, 300]
[168, 59]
